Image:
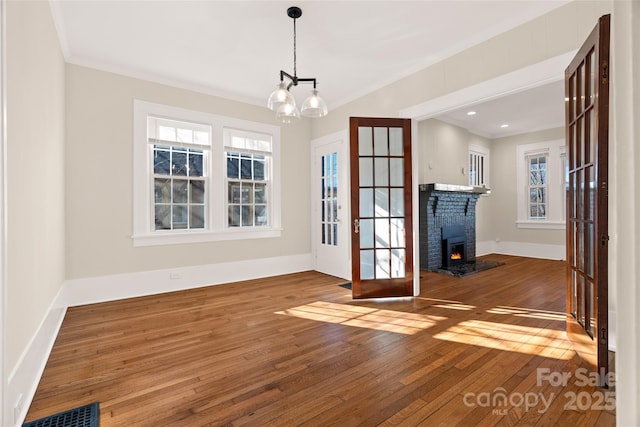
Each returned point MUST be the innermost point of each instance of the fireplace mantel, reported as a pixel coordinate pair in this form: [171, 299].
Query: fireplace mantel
[436, 186]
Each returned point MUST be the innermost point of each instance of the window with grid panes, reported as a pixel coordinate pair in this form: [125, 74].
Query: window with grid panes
[538, 185]
[540, 180]
[248, 160]
[478, 166]
[476, 169]
[180, 151]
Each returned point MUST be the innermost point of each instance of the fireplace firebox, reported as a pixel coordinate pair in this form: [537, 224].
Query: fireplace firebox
[453, 245]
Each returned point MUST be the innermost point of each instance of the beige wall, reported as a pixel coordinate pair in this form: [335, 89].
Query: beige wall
[502, 224]
[443, 153]
[99, 118]
[35, 171]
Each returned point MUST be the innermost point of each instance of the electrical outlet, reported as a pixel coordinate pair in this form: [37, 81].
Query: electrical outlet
[175, 275]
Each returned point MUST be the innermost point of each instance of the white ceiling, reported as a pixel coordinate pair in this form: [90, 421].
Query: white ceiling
[236, 49]
[526, 111]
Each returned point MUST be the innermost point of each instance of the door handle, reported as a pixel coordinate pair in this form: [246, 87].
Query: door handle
[356, 226]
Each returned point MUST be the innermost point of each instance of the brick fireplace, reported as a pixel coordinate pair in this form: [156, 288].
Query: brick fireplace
[447, 225]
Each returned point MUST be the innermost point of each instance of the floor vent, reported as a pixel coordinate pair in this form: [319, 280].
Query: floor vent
[84, 416]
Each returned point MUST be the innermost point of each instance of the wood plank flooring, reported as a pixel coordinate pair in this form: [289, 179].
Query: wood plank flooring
[297, 350]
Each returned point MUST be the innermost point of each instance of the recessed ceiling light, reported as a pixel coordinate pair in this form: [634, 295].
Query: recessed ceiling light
[471, 113]
[504, 126]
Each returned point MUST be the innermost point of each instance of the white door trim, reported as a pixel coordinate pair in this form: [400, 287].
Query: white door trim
[343, 267]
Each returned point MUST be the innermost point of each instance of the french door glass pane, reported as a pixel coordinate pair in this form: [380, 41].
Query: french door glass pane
[397, 263]
[382, 202]
[383, 264]
[589, 243]
[396, 172]
[381, 175]
[367, 264]
[395, 142]
[366, 171]
[397, 202]
[382, 233]
[380, 142]
[397, 232]
[366, 233]
[365, 143]
[366, 202]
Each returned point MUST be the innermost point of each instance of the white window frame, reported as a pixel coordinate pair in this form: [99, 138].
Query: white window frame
[144, 233]
[262, 151]
[482, 152]
[555, 219]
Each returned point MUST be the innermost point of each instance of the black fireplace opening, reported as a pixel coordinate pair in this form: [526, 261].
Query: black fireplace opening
[453, 246]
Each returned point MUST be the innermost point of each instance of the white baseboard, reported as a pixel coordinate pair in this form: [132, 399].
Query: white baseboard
[529, 250]
[119, 286]
[24, 379]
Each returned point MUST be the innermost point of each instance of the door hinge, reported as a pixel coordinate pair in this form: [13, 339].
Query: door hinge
[603, 240]
[605, 72]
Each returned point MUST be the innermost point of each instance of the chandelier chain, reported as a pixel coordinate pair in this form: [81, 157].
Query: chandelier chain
[295, 73]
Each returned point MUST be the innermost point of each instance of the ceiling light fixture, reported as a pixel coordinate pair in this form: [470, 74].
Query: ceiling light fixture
[471, 113]
[281, 100]
[504, 126]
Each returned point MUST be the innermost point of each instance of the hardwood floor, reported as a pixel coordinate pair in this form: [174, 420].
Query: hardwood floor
[297, 350]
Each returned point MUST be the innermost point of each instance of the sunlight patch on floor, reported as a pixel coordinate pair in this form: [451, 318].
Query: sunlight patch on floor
[509, 337]
[364, 317]
[532, 313]
[454, 305]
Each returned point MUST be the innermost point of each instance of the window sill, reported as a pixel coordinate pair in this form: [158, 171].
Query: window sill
[174, 238]
[541, 224]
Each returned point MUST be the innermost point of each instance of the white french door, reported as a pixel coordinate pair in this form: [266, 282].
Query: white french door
[330, 205]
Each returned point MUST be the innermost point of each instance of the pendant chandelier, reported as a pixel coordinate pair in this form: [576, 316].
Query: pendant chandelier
[281, 100]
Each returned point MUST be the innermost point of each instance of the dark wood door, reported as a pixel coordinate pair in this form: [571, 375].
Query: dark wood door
[587, 130]
[381, 236]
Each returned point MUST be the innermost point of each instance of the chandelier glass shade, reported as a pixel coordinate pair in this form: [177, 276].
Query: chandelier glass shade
[282, 101]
